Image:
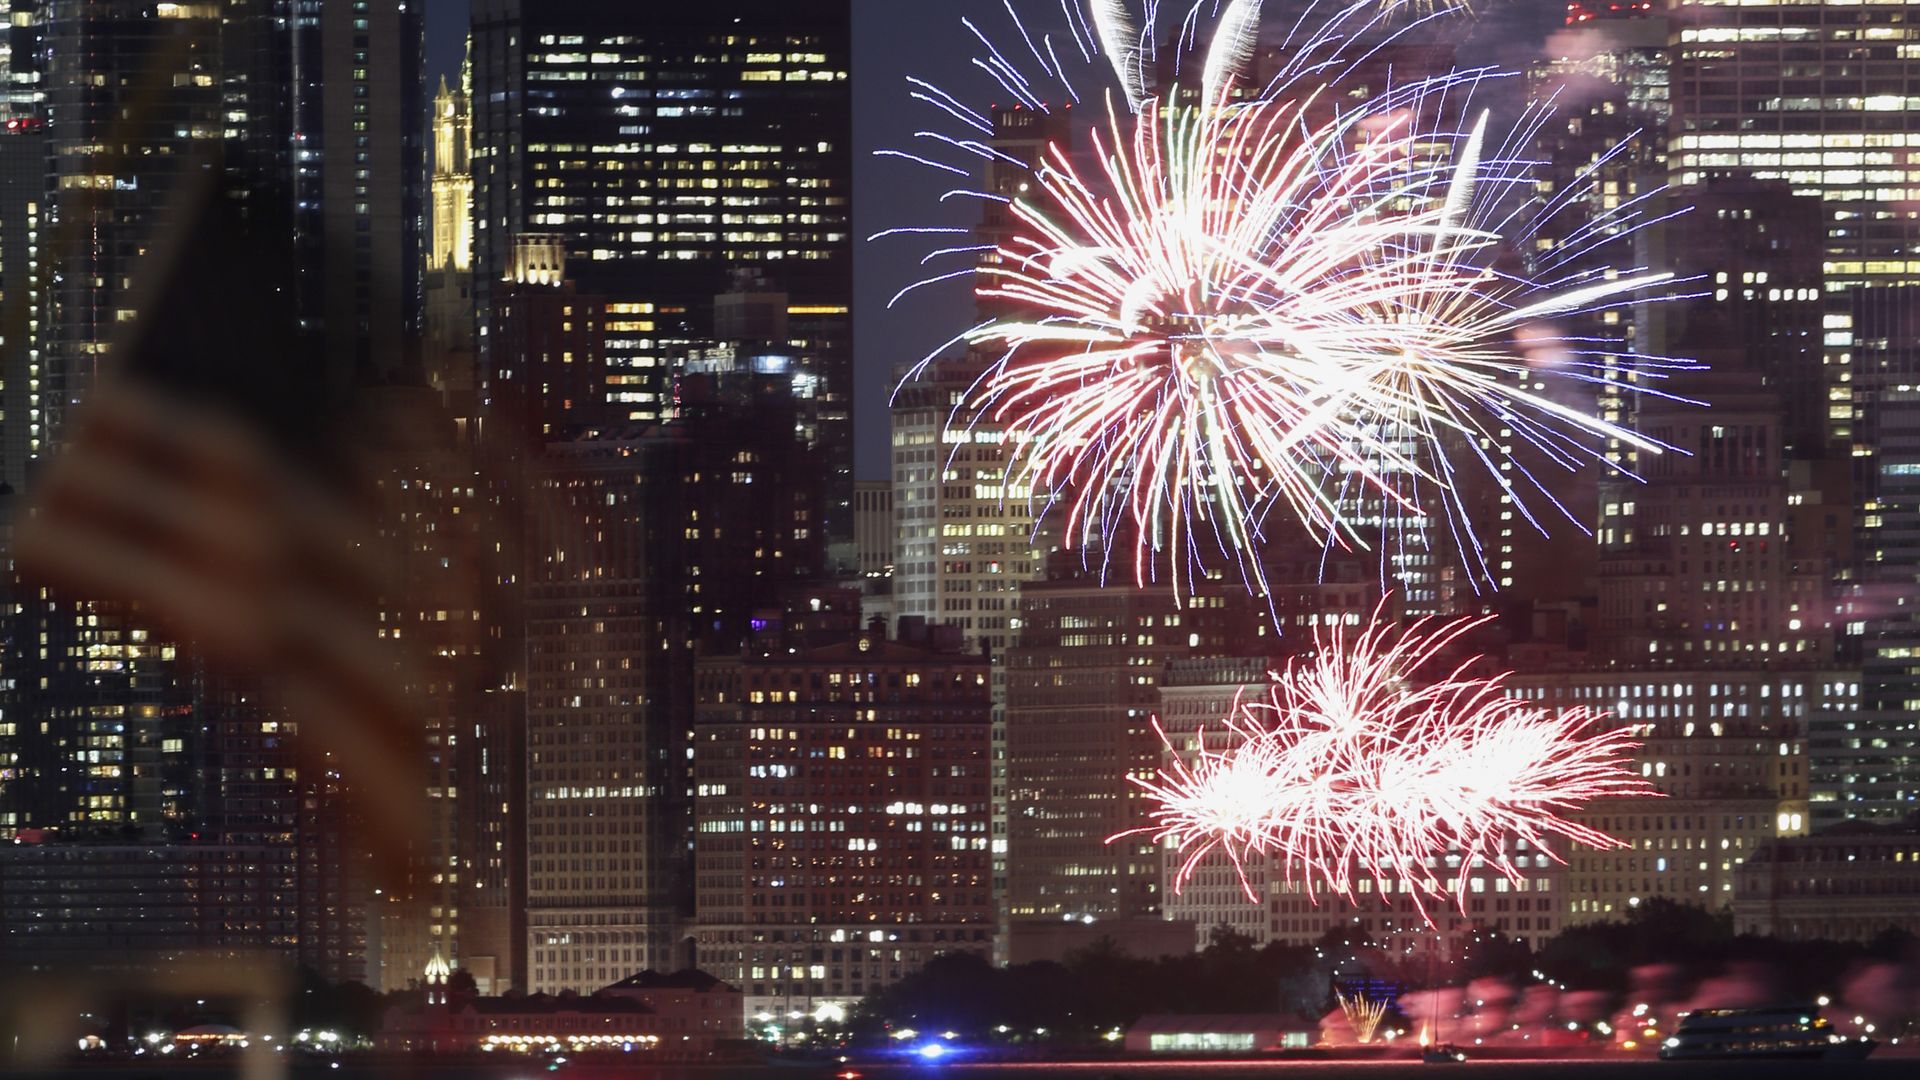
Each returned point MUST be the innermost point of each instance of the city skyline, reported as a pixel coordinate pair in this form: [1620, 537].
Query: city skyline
[1377, 549]
[888, 40]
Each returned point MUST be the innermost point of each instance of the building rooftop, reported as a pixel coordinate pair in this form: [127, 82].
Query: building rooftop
[563, 1003]
[685, 979]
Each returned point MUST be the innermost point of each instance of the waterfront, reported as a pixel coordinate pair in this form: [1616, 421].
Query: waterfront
[1880, 1068]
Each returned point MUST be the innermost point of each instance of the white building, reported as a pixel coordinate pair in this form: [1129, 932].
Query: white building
[964, 536]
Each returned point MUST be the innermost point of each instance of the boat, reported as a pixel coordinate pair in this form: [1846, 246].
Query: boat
[1444, 1054]
[1781, 1031]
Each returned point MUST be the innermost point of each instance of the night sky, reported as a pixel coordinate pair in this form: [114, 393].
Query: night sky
[897, 38]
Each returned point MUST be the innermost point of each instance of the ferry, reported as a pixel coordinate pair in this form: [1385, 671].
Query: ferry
[1784, 1031]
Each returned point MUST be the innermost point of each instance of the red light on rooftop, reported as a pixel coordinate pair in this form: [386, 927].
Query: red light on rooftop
[1581, 12]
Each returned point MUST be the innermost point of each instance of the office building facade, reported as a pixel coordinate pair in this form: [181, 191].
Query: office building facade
[1871, 766]
[668, 147]
[1082, 687]
[842, 816]
[1816, 95]
[1728, 753]
[964, 528]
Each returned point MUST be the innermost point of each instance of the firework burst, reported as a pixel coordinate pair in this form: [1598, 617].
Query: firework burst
[1363, 1014]
[1263, 311]
[1346, 771]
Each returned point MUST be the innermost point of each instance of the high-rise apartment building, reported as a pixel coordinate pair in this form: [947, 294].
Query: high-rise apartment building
[841, 803]
[669, 146]
[1817, 95]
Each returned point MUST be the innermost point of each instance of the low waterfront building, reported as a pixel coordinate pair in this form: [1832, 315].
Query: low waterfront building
[686, 1013]
[1245, 1033]
[1849, 883]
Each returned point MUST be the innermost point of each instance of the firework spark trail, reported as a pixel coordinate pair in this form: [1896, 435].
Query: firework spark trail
[1345, 771]
[1217, 340]
[1363, 1014]
[1274, 313]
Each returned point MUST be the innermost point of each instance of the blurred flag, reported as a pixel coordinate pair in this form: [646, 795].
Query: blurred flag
[211, 475]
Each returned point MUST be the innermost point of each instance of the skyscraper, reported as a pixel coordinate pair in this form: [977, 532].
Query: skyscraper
[1602, 161]
[1705, 570]
[331, 98]
[1082, 686]
[133, 106]
[136, 101]
[603, 760]
[966, 531]
[1817, 95]
[23, 279]
[964, 528]
[547, 360]
[431, 623]
[1867, 764]
[668, 146]
[449, 317]
[1756, 252]
[153, 114]
[649, 541]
